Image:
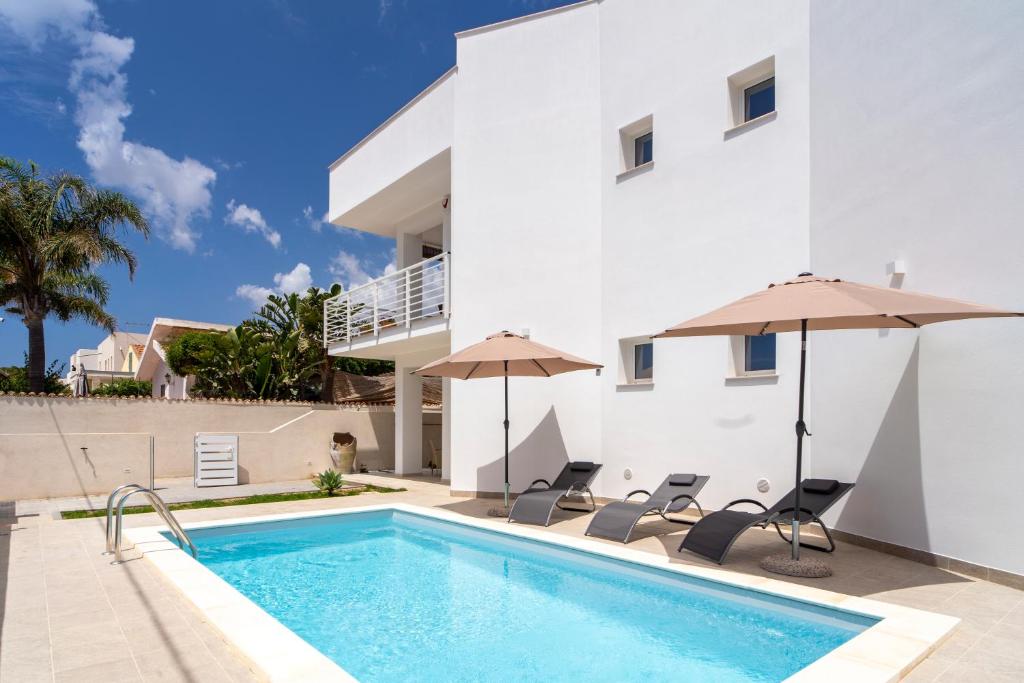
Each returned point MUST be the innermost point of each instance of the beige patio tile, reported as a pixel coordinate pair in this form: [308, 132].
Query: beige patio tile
[105, 634]
[927, 671]
[191, 667]
[25, 623]
[117, 671]
[79, 656]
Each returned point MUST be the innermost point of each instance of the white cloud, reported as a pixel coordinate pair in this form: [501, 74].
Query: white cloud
[251, 220]
[172, 192]
[351, 271]
[298, 280]
[228, 165]
[37, 20]
[384, 7]
[254, 293]
[315, 223]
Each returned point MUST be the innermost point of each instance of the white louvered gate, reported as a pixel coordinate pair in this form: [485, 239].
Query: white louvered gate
[216, 460]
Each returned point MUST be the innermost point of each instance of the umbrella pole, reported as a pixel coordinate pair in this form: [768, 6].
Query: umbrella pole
[506, 434]
[801, 429]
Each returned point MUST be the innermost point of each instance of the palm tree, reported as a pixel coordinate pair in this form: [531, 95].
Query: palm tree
[54, 231]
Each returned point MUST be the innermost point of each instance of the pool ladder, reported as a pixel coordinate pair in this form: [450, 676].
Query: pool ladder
[114, 528]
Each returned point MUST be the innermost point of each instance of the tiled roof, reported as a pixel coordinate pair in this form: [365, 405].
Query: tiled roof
[379, 389]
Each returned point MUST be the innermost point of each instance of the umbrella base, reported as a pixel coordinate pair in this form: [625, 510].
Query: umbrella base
[500, 511]
[805, 567]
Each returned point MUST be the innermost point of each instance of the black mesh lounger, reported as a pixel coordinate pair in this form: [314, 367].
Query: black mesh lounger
[535, 504]
[713, 536]
[616, 521]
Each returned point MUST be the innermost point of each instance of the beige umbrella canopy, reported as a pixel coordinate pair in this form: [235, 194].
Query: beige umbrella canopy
[505, 354]
[828, 304]
[816, 303]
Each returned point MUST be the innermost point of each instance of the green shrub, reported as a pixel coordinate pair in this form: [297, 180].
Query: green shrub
[15, 378]
[124, 387]
[328, 481]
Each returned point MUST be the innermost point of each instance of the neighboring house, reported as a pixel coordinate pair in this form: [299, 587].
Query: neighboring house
[107, 361]
[132, 358]
[860, 140]
[152, 366]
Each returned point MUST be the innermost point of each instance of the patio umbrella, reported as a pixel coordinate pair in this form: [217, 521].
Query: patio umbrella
[505, 355]
[818, 303]
[81, 387]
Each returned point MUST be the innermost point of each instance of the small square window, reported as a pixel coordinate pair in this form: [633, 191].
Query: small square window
[636, 361]
[759, 99]
[643, 362]
[759, 354]
[643, 149]
[637, 146]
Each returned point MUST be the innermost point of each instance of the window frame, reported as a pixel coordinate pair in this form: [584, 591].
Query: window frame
[754, 89]
[637, 359]
[638, 143]
[746, 371]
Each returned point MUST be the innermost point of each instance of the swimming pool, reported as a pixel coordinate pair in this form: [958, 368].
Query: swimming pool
[390, 595]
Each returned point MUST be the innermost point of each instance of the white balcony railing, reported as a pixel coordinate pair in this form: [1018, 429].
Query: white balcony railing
[396, 300]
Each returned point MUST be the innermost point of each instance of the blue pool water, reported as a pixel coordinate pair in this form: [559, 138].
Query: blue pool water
[394, 596]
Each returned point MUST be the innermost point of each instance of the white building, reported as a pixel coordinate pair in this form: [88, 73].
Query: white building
[106, 362]
[891, 138]
[153, 366]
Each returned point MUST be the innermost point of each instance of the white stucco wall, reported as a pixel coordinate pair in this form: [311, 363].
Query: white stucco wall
[916, 155]
[713, 220]
[526, 240]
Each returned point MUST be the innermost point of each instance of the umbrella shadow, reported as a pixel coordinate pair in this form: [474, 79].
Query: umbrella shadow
[540, 455]
[890, 488]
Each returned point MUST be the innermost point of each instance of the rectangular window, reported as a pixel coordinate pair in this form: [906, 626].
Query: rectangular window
[643, 149]
[759, 353]
[643, 362]
[759, 99]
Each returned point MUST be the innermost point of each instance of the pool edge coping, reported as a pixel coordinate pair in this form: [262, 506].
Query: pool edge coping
[886, 651]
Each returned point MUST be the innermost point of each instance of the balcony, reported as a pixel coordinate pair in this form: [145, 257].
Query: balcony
[410, 303]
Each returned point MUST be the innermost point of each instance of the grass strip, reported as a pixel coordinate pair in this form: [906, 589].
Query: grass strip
[225, 502]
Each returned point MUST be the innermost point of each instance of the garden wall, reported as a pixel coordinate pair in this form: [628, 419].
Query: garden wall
[55, 447]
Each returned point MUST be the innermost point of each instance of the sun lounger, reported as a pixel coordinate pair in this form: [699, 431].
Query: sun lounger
[616, 521]
[535, 504]
[713, 536]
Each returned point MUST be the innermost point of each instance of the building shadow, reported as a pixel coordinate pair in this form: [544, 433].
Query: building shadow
[890, 490]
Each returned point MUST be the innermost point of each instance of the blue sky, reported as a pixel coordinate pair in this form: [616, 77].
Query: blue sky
[220, 119]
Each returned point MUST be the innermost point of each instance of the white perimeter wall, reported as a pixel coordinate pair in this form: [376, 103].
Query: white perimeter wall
[41, 440]
[916, 154]
[714, 220]
[526, 240]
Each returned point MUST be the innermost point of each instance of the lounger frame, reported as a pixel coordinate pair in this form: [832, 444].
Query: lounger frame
[779, 516]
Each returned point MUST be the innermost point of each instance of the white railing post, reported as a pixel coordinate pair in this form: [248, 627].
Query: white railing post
[446, 279]
[376, 319]
[408, 298]
[327, 328]
[348, 317]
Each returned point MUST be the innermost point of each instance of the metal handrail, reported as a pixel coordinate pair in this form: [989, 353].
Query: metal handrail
[110, 514]
[161, 509]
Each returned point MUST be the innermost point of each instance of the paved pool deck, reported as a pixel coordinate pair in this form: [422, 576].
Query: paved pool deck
[69, 615]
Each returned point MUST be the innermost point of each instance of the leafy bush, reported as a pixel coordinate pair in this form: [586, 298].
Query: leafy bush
[328, 481]
[15, 378]
[276, 354]
[124, 387]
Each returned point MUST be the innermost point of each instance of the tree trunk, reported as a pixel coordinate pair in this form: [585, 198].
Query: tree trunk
[327, 381]
[36, 355]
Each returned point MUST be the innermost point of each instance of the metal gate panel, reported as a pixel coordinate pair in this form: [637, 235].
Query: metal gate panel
[216, 460]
